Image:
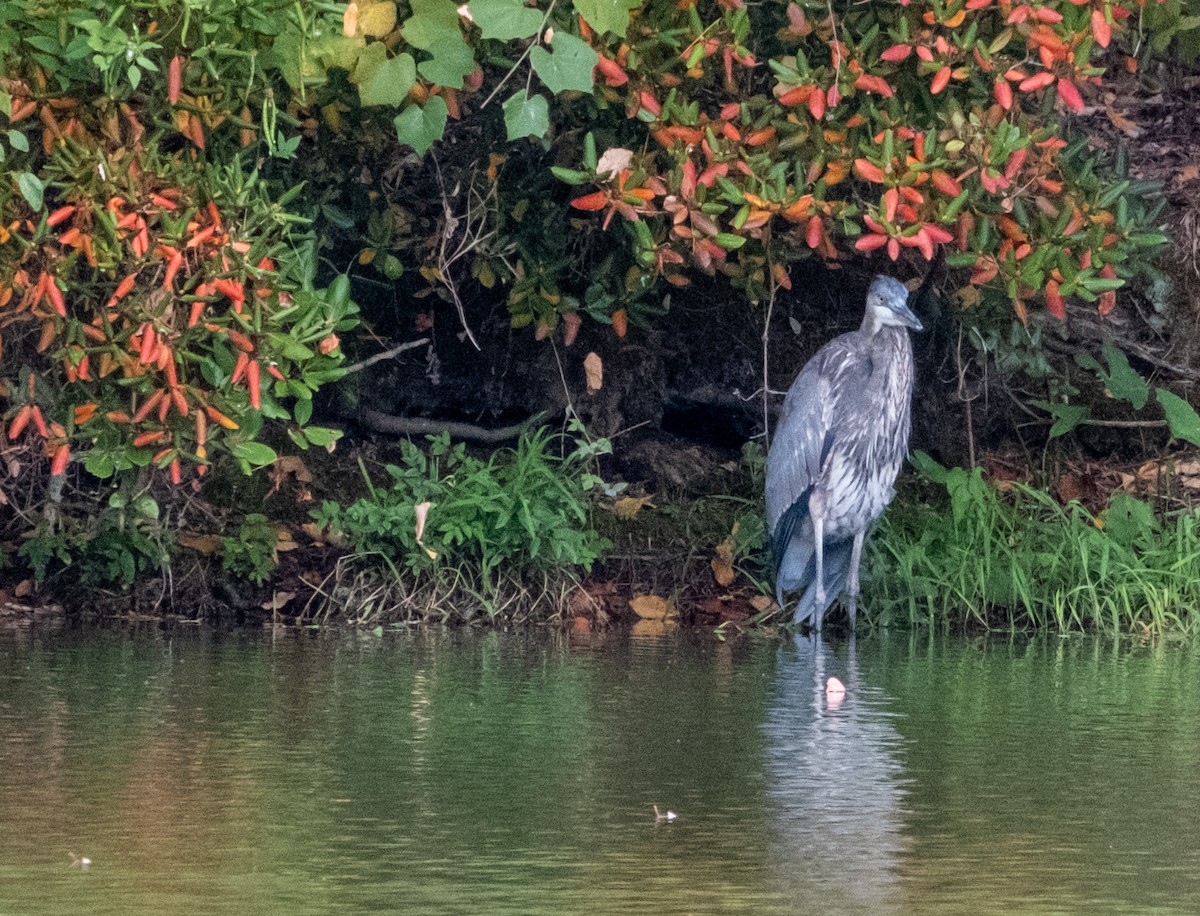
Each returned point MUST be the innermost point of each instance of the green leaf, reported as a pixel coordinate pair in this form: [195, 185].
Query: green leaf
[99, 464]
[431, 21]
[321, 436]
[1102, 284]
[1122, 380]
[568, 68]
[526, 116]
[254, 453]
[1128, 520]
[302, 411]
[606, 15]
[383, 80]
[421, 127]
[1066, 416]
[32, 188]
[928, 468]
[452, 60]
[504, 20]
[18, 141]
[570, 176]
[1181, 416]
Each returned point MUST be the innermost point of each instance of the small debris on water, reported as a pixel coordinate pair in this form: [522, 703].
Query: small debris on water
[80, 862]
[834, 689]
[667, 815]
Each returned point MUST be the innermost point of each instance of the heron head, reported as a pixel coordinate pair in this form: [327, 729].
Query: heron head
[887, 305]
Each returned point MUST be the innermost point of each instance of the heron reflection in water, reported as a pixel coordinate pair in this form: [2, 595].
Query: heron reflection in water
[835, 784]
[841, 439]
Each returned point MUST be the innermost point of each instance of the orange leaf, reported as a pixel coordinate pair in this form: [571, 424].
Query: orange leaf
[620, 322]
[876, 84]
[597, 200]
[1037, 81]
[1101, 30]
[1054, 301]
[61, 457]
[174, 79]
[868, 171]
[940, 81]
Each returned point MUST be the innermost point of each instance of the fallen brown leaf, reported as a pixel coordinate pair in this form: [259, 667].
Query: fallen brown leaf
[652, 607]
[315, 533]
[207, 544]
[1121, 122]
[629, 506]
[722, 563]
[284, 540]
[593, 369]
[278, 600]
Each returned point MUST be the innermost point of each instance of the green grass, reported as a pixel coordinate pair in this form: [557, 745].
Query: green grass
[454, 535]
[971, 554]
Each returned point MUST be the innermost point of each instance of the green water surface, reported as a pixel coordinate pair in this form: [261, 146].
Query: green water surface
[443, 772]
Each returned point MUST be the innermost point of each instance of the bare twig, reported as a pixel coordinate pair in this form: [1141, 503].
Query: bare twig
[386, 354]
[425, 426]
[766, 342]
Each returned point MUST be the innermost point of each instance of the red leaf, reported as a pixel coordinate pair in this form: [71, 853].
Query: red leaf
[876, 84]
[896, 53]
[940, 81]
[816, 105]
[174, 79]
[597, 200]
[1054, 301]
[814, 231]
[61, 457]
[868, 171]
[1037, 81]
[571, 323]
[1003, 93]
[1068, 92]
[871, 242]
[1101, 30]
[891, 200]
[944, 183]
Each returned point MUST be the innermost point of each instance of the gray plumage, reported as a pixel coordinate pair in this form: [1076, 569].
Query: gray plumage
[841, 439]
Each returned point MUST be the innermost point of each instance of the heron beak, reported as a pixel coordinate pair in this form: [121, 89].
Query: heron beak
[906, 316]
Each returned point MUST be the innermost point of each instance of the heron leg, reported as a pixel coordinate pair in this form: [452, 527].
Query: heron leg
[852, 581]
[819, 537]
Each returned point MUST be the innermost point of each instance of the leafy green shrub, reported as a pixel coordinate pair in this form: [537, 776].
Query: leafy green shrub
[1018, 559]
[521, 509]
[115, 547]
[251, 555]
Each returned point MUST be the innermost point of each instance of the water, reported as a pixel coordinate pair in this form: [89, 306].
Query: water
[466, 773]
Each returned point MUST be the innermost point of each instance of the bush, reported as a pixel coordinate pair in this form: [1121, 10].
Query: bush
[156, 294]
[521, 510]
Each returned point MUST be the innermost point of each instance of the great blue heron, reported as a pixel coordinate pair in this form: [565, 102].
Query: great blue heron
[841, 439]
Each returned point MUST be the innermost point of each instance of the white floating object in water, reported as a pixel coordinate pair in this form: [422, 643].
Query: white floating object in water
[80, 862]
[834, 689]
[667, 815]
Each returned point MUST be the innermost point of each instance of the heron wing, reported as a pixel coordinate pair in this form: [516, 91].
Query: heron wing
[807, 431]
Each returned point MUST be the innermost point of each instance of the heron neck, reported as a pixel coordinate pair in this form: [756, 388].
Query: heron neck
[871, 324]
